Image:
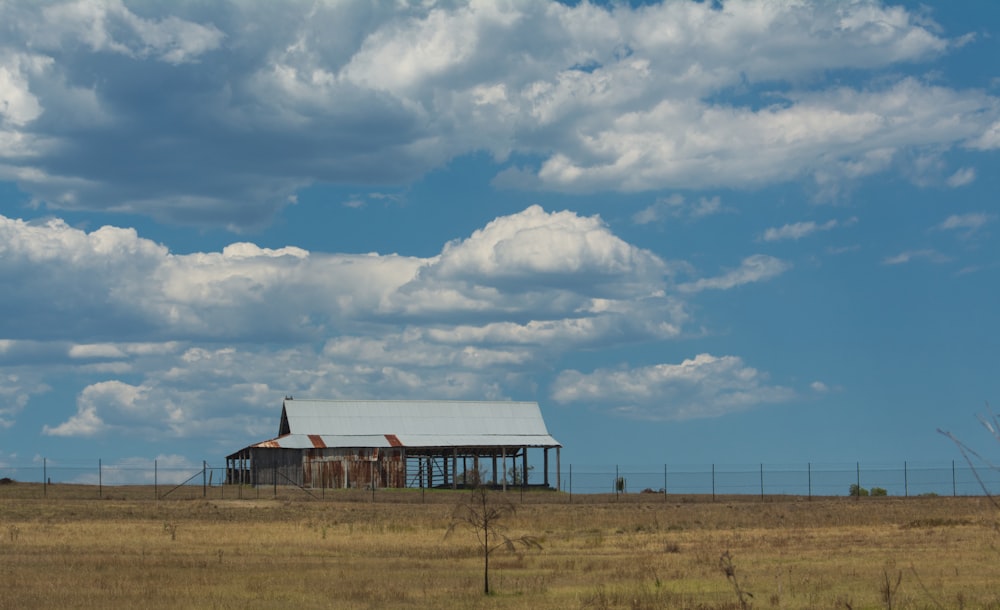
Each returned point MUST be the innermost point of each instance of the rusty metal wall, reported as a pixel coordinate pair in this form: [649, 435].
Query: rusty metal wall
[355, 468]
[276, 467]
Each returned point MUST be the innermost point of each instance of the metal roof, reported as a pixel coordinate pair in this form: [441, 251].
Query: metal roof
[413, 417]
[308, 423]
[313, 441]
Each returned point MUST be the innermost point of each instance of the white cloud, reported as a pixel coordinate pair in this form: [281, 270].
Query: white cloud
[164, 469]
[201, 332]
[970, 223]
[18, 106]
[557, 265]
[16, 389]
[108, 25]
[925, 254]
[756, 268]
[691, 144]
[676, 206]
[798, 230]
[262, 100]
[988, 140]
[703, 386]
[962, 177]
[535, 247]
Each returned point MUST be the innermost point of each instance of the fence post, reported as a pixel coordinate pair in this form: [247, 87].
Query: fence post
[45, 478]
[664, 482]
[570, 483]
[100, 479]
[954, 490]
[858, 497]
[616, 481]
[906, 481]
[762, 482]
[809, 470]
[156, 489]
[713, 482]
[204, 479]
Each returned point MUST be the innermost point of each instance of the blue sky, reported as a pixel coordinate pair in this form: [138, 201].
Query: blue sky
[731, 232]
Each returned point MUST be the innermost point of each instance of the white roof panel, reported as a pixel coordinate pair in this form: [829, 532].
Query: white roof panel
[312, 441]
[415, 418]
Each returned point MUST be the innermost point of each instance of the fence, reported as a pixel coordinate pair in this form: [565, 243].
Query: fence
[904, 479]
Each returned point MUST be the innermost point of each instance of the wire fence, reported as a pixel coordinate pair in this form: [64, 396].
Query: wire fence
[905, 479]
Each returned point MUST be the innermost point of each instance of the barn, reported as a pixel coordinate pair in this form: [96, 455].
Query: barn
[400, 443]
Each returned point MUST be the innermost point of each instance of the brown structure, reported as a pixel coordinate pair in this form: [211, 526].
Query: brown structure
[412, 443]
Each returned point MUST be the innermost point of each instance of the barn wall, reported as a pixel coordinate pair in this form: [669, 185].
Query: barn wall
[340, 468]
[273, 466]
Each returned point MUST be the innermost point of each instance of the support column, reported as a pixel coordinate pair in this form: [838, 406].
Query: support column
[545, 452]
[524, 467]
[558, 470]
[495, 479]
[503, 459]
[454, 468]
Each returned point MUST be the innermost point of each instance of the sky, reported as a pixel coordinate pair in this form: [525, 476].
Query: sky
[730, 232]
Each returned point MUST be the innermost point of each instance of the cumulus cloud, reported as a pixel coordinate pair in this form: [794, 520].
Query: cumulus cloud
[699, 387]
[534, 248]
[77, 285]
[217, 114]
[171, 342]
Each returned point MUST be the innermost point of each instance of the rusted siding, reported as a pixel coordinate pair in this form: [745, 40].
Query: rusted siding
[276, 466]
[339, 468]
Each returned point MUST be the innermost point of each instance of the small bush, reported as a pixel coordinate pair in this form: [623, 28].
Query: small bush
[857, 491]
[878, 491]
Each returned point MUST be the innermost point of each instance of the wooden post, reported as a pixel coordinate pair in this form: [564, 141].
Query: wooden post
[558, 470]
[524, 467]
[503, 457]
[545, 452]
[454, 467]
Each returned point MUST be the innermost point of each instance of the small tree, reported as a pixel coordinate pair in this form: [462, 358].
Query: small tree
[974, 459]
[472, 477]
[482, 512]
[857, 491]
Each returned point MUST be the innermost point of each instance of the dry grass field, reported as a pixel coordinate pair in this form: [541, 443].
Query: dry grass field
[128, 550]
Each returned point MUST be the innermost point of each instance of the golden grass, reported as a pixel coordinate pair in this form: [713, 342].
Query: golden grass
[344, 551]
